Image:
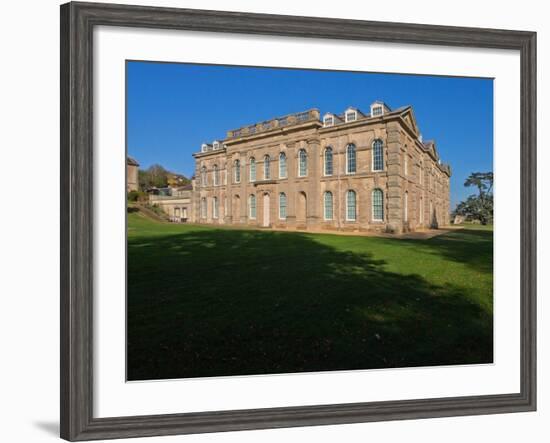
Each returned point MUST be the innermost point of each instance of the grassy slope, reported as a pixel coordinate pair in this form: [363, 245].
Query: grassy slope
[205, 301]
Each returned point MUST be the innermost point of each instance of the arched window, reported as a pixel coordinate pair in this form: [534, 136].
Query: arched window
[351, 163]
[282, 206]
[420, 172]
[252, 171]
[282, 165]
[328, 205]
[302, 163]
[377, 205]
[377, 155]
[203, 176]
[351, 205]
[216, 175]
[237, 170]
[267, 162]
[215, 207]
[252, 206]
[225, 206]
[328, 161]
[406, 207]
[203, 207]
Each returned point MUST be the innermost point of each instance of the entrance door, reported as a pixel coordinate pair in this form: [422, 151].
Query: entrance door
[266, 211]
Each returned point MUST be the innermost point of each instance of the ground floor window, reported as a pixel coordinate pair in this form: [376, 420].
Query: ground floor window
[252, 206]
[215, 207]
[377, 205]
[351, 209]
[203, 207]
[328, 205]
[282, 206]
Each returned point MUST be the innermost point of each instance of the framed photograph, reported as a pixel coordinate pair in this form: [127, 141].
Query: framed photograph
[272, 221]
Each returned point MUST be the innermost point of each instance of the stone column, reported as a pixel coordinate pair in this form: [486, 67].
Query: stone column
[394, 192]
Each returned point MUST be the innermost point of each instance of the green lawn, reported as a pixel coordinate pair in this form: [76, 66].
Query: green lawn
[204, 301]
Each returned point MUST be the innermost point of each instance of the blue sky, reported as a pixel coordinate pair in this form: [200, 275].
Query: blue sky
[172, 108]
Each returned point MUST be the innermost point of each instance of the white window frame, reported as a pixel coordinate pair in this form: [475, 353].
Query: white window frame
[216, 172]
[237, 171]
[331, 206]
[373, 155]
[250, 198]
[267, 167]
[300, 163]
[282, 194]
[215, 208]
[327, 117]
[347, 205]
[348, 114]
[347, 158]
[328, 149]
[252, 169]
[374, 219]
[282, 155]
[375, 107]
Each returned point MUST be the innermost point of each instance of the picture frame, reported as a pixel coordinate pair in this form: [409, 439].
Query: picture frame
[77, 211]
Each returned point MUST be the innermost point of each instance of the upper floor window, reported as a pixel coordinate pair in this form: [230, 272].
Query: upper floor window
[216, 175]
[328, 169]
[420, 172]
[328, 120]
[282, 165]
[237, 171]
[282, 206]
[252, 206]
[328, 205]
[377, 155]
[351, 205]
[302, 163]
[377, 205]
[351, 116]
[267, 169]
[351, 162]
[216, 145]
[204, 147]
[203, 176]
[252, 169]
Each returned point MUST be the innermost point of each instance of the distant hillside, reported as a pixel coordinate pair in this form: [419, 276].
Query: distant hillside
[156, 176]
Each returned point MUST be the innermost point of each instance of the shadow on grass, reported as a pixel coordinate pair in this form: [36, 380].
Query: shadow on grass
[224, 302]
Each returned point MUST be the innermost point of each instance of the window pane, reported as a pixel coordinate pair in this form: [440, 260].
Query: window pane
[267, 163]
[237, 171]
[377, 205]
[252, 204]
[302, 172]
[351, 162]
[282, 165]
[328, 161]
[282, 205]
[377, 156]
[328, 206]
[351, 211]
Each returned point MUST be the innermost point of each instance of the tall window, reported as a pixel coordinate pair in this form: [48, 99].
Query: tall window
[252, 171]
[203, 207]
[377, 155]
[252, 206]
[216, 175]
[282, 206]
[351, 208]
[215, 207]
[420, 172]
[328, 161]
[406, 165]
[328, 205]
[237, 170]
[421, 210]
[351, 163]
[282, 165]
[302, 163]
[203, 176]
[406, 207]
[225, 206]
[377, 205]
[267, 163]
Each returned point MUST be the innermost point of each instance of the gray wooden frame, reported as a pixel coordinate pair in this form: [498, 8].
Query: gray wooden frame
[77, 24]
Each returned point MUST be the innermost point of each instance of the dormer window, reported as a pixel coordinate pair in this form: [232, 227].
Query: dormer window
[377, 110]
[351, 116]
[216, 144]
[328, 120]
[204, 147]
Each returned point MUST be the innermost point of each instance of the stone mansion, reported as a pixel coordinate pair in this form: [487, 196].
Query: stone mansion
[356, 171]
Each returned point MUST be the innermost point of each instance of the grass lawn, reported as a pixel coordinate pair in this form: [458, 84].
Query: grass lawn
[205, 301]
